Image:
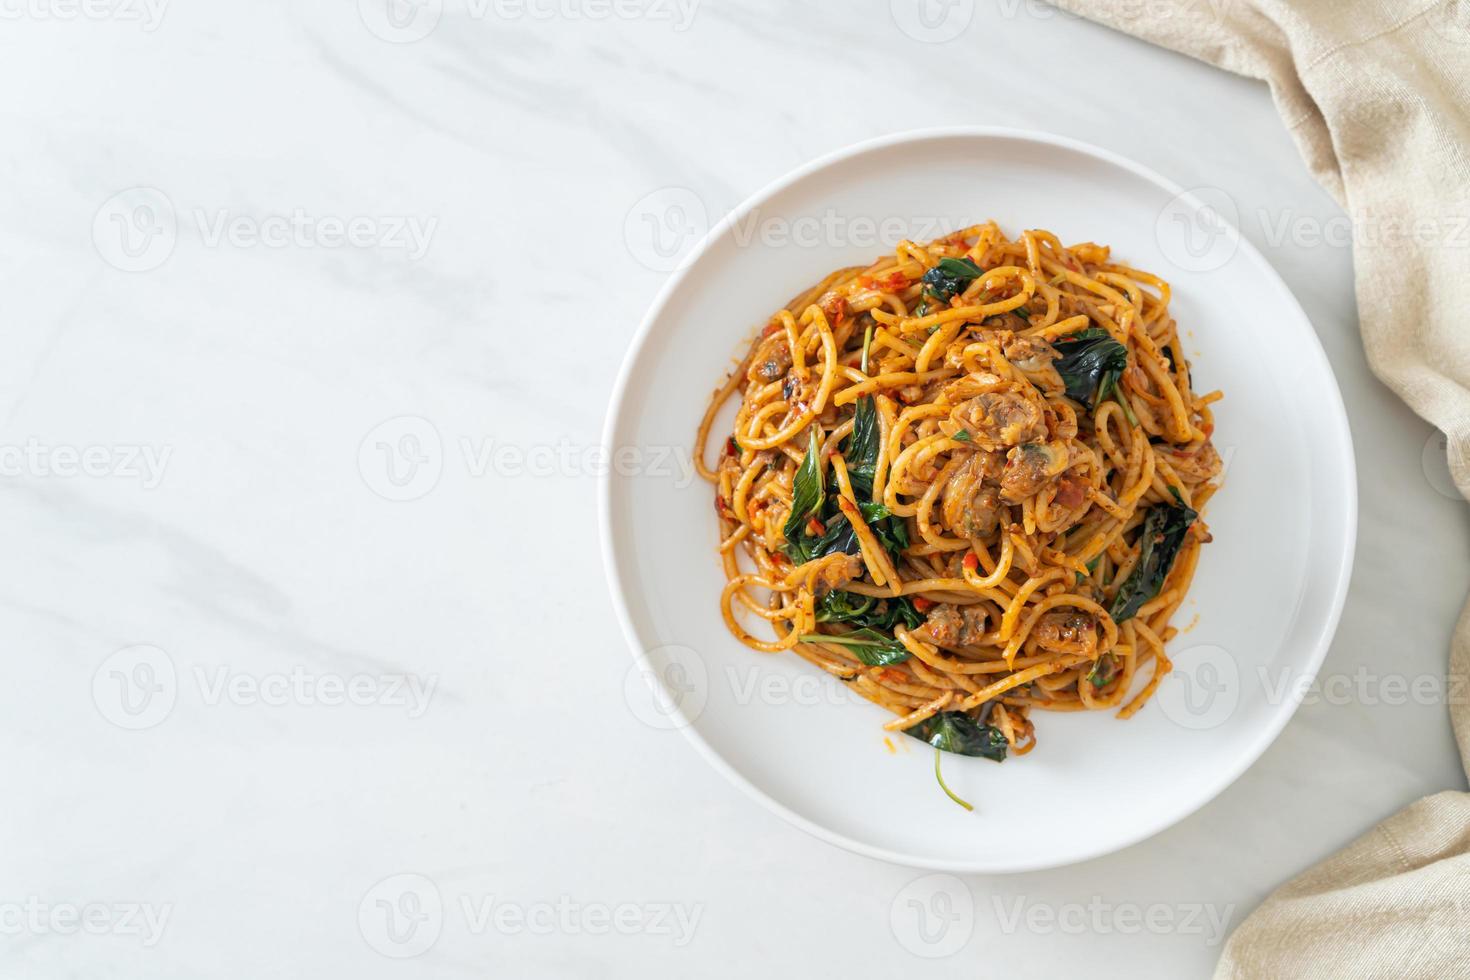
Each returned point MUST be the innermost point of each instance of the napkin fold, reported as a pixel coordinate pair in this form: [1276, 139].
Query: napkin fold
[1377, 95]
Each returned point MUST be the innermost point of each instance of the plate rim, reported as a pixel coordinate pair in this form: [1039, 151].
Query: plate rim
[1343, 448]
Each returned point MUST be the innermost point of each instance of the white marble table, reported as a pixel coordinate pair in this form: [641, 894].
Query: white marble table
[301, 583]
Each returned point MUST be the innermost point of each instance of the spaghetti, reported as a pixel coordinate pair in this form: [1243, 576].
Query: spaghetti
[966, 480]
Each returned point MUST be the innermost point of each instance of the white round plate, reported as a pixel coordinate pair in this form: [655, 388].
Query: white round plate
[1263, 605]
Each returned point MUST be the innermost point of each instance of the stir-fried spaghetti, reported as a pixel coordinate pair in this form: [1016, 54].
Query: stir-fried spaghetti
[966, 479]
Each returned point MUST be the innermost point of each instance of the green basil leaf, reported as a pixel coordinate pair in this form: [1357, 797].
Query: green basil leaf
[870, 646]
[1159, 541]
[807, 491]
[838, 606]
[1090, 365]
[957, 732]
[950, 276]
[1103, 671]
[861, 451]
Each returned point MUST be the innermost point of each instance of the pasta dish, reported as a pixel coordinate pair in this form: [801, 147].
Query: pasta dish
[966, 480]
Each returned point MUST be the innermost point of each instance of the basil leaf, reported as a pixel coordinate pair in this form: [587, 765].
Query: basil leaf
[899, 610]
[838, 606]
[1090, 365]
[861, 451]
[839, 536]
[1159, 542]
[957, 732]
[1103, 671]
[807, 490]
[890, 531]
[868, 645]
[961, 436]
[950, 276]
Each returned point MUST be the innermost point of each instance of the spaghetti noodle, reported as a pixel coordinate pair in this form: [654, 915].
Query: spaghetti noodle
[966, 480]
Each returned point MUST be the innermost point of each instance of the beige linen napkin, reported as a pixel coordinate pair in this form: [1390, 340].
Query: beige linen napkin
[1377, 95]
